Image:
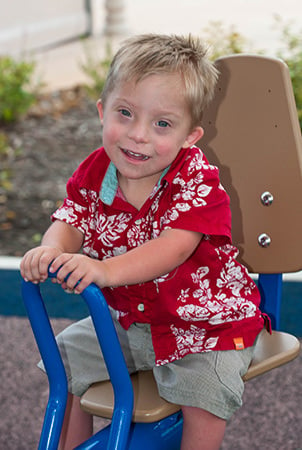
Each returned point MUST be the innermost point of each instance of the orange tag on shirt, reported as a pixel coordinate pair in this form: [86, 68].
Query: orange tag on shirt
[239, 344]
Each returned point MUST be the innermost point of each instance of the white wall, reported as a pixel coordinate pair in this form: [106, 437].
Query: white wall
[32, 24]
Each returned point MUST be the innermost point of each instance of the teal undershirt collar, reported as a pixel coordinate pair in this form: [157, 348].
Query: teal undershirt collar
[110, 184]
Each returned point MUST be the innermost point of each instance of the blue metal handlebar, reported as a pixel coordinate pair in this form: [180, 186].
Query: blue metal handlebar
[49, 351]
[113, 356]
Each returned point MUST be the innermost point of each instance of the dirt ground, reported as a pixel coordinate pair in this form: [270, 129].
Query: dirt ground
[45, 148]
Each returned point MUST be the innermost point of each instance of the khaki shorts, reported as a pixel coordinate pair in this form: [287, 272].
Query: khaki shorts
[210, 380]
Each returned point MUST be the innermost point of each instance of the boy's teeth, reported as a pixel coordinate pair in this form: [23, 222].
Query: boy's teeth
[136, 155]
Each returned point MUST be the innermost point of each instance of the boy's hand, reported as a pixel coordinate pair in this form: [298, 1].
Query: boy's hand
[34, 265]
[81, 271]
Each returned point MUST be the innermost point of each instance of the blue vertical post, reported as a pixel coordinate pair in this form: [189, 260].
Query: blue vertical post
[54, 367]
[58, 389]
[116, 366]
[270, 286]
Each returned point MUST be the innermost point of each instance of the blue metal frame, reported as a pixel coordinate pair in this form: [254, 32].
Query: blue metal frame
[270, 287]
[122, 434]
[48, 348]
[120, 379]
[162, 435]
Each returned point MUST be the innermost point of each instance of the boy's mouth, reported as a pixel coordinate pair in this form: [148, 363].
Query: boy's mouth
[136, 156]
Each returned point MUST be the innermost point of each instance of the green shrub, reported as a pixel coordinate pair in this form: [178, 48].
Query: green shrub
[5, 171]
[15, 94]
[224, 41]
[292, 55]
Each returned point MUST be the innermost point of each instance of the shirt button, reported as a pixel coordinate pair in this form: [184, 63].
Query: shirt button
[138, 221]
[141, 307]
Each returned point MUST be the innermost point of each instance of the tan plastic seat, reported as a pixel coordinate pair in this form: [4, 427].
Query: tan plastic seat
[148, 405]
[271, 351]
[252, 134]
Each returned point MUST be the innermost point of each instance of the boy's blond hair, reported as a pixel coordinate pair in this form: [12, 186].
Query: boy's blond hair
[150, 54]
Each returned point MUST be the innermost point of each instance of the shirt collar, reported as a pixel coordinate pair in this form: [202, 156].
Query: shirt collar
[110, 184]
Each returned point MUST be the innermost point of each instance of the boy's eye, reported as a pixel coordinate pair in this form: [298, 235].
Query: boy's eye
[162, 123]
[125, 112]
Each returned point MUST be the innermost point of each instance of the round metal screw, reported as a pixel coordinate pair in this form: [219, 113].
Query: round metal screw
[264, 240]
[267, 198]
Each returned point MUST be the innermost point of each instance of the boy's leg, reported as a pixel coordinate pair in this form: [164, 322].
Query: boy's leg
[84, 365]
[201, 430]
[77, 425]
[209, 387]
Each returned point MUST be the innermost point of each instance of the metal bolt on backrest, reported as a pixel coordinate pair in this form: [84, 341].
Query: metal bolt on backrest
[264, 240]
[267, 198]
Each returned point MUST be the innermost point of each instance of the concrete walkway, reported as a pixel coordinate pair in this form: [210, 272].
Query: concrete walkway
[254, 19]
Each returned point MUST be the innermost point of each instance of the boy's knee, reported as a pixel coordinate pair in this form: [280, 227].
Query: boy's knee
[201, 429]
[198, 415]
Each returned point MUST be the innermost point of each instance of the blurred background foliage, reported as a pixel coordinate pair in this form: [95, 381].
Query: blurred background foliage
[18, 93]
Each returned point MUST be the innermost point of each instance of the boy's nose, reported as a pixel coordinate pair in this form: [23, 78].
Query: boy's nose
[138, 132]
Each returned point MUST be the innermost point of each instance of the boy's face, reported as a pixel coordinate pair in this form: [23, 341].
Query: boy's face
[145, 124]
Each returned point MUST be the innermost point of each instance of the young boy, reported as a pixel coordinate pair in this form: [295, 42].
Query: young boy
[153, 223]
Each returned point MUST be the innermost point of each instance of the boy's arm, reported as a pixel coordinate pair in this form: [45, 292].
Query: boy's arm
[152, 259]
[59, 238]
[144, 263]
[63, 236]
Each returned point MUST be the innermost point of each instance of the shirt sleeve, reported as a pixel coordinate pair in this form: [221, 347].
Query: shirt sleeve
[82, 193]
[198, 200]
[74, 209]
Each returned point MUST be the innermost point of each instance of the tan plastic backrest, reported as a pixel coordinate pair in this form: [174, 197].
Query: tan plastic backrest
[252, 133]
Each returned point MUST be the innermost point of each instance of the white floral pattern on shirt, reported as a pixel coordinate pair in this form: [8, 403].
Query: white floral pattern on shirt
[229, 302]
[192, 340]
[209, 289]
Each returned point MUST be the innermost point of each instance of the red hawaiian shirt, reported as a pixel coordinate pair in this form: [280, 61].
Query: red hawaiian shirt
[207, 303]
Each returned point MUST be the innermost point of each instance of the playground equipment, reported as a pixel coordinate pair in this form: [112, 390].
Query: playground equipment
[253, 135]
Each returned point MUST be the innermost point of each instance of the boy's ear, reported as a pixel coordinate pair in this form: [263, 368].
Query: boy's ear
[100, 108]
[193, 137]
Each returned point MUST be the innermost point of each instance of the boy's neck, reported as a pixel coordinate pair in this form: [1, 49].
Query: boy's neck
[136, 192]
